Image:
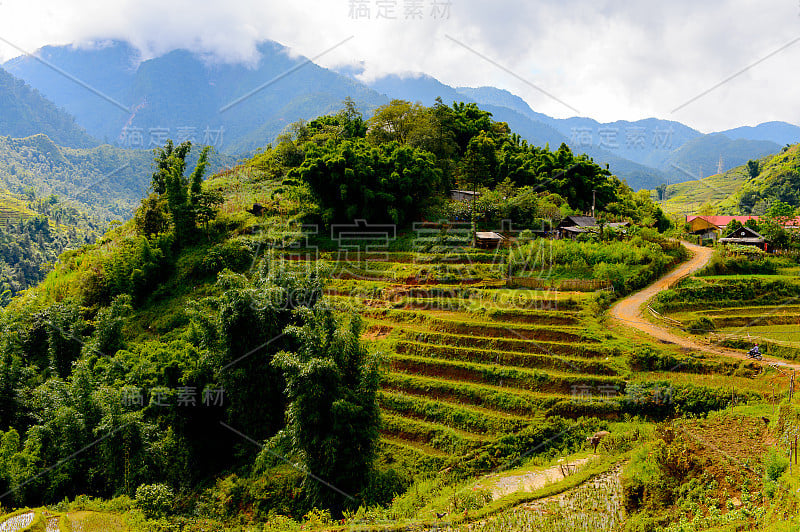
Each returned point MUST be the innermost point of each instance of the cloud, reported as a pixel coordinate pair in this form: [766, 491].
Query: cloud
[608, 59]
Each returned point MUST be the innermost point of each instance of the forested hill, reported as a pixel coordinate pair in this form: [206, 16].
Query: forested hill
[54, 198]
[752, 188]
[25, 112]
[105, 181]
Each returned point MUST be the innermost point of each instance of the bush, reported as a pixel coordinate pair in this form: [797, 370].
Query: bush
[775, 463]
[702, 325]
[154, 500]
[754, 262]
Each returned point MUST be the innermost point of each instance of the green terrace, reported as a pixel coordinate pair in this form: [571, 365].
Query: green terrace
[472, 354]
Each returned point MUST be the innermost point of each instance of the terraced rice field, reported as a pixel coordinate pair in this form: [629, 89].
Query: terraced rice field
[17, 522]
[769, 312]
[469, 358]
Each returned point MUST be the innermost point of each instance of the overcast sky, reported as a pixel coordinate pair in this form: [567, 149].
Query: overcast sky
[600, 58]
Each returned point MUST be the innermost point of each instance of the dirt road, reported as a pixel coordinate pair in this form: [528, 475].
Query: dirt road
[627, 312]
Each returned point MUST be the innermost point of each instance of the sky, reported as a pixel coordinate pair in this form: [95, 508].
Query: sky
[712, 65]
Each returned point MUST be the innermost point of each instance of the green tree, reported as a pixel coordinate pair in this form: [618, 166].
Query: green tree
[353, 179]
[752, 169]
[395, 121]
[182, 192]
[152, 216]
[333, 415]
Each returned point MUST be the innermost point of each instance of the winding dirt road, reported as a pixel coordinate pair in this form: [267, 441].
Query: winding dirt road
[627, 312]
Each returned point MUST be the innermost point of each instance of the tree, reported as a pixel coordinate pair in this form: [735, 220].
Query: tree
[780, 211]
[182, 192]
[152, 217]
[353, 179]
[206, 207]
[166, 159]
[752, 169]
[333, 415]
[732, 226]
[395, 121]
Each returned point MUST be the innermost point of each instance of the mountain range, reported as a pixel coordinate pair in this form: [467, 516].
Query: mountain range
[123, 100]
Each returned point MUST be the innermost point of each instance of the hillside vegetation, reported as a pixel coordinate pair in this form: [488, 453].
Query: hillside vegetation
[738, 191]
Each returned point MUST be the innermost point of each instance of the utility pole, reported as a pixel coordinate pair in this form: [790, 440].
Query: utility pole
[594, 197]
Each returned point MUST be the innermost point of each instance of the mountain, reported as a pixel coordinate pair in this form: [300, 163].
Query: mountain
[182, 95]
[134, 103]
[690, 197]
[778, 132]
[536, 128]
[24, 112]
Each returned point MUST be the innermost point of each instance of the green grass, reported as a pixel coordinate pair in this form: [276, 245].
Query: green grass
[472, 419]
[532, 380]
[781, 333]
[444, 438]
[504, 358]
[689, 196]
[420, 334]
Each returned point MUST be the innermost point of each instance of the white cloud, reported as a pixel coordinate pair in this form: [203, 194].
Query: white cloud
[609, 59]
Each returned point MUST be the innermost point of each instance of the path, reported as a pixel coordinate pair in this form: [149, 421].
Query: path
[628, 311]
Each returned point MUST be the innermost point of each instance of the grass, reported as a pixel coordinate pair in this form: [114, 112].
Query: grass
[479, 421]
[786, 333]
[527, 379]
[86, 521]
[505, 358]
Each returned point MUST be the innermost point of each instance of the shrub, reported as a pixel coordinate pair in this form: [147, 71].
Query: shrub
[702, 325]
[775, 463]
[154, 500]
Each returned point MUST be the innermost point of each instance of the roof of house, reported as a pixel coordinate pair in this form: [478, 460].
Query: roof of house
[575, 229]
[743, 233]
[741, 240]
[721, 221]
[578, 221]
[488, 235]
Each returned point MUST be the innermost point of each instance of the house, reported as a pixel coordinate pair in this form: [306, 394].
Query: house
[463, 195]
[488, 239]
[711, 227]
[572, 226]
[745, 236]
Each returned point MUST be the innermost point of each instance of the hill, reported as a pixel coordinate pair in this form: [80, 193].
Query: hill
[701, 157]
[105, 181]
[25, 112]
[135, 103]
[737, 193]
[690, 197]
[536, 128]
[202, 292]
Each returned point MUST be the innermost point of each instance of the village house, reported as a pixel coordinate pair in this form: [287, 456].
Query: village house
[712, 227]
[746, 236]
[572, 226]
